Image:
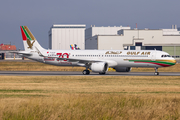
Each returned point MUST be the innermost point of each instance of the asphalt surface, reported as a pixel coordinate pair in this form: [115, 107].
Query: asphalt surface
[58, 73]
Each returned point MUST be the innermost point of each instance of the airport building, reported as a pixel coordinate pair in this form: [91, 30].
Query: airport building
[6, 52]
[93, 30]
[167, 40]
[62, 36]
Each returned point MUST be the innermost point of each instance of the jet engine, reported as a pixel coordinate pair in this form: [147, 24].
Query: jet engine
[100, 67]
[122, 69]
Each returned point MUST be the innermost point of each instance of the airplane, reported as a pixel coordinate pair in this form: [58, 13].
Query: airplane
[95, 60]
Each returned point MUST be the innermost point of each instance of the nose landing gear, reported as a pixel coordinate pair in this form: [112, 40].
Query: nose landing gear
[156, 71]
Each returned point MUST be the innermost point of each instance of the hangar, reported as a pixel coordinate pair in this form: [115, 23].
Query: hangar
[167, 40]
[61, 36]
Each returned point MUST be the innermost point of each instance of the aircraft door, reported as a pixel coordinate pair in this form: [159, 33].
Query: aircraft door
[153, 56]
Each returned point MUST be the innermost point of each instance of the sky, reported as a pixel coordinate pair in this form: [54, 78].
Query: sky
[40, 15]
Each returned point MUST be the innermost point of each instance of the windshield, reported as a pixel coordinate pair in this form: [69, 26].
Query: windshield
[165, 56]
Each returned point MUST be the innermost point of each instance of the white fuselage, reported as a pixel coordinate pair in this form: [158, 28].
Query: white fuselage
[123, 58]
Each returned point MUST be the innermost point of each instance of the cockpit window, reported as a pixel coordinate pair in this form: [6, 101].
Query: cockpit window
[165, 56]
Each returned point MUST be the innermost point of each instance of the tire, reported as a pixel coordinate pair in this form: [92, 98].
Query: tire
[102, 73]
[156, 73]
[86, 72]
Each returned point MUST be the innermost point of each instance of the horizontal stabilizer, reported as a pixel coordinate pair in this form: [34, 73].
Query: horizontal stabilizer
[22, 53]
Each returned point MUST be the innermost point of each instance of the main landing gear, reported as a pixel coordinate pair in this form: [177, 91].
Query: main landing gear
[156, 71]
[103, 73]
[86, 72]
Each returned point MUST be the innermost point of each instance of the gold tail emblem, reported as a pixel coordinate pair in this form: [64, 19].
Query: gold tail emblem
[29, 43]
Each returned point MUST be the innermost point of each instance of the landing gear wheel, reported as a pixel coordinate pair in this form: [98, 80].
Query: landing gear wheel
[86, 72]
[156, 73]
[103, 73]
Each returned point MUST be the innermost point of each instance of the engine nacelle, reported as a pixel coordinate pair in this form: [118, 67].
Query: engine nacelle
[122, 69]
[99, 67]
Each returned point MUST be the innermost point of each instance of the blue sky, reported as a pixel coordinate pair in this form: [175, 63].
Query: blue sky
[40, 15]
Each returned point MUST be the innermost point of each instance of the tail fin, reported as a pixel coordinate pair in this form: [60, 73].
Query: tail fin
[71, 46]
[74, 48]
[29, 41]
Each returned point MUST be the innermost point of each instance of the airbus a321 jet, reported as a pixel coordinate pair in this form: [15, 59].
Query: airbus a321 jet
[96, 60]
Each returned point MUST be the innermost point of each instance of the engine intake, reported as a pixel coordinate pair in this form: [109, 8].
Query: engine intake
[100, 67]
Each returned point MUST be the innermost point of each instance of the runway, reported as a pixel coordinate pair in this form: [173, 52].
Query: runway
[67, 73]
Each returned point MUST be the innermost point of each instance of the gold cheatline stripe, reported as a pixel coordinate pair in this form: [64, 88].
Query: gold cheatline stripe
[29, 32]
[172, 61]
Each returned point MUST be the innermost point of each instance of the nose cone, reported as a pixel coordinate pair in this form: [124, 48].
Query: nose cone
[173, 61]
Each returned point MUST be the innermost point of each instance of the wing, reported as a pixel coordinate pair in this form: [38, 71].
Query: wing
[22, 53]
[79, 60]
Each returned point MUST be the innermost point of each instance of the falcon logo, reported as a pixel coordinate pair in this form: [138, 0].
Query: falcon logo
[30, 44]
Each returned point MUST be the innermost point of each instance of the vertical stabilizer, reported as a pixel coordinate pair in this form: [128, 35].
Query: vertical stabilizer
[29, 41]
